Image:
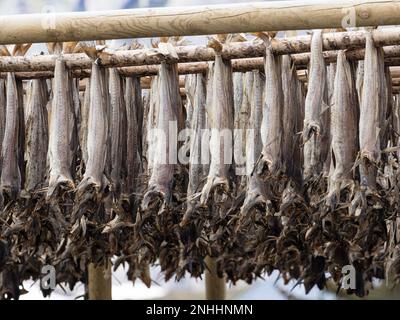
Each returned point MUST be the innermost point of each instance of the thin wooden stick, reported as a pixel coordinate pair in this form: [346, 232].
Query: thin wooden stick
[392, 57]
[215, 286]
[196, 20]
[237, 50]
[99, 283]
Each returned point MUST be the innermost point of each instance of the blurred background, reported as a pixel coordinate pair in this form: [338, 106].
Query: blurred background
[271, 287]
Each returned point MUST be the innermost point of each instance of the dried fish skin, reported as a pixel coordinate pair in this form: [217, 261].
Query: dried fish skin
[168, 113]
[241, 119]
[151, 123]
[256, 192]
[97, 132]
[133, 102]
[3, 105]
[271, 127]
[370, 113]
[61, 128]
[196, 164]
[344, 128]
[315, 108]
[10, 182]
[37, 137]
[221, 123]
[116, 130]
[83, 130]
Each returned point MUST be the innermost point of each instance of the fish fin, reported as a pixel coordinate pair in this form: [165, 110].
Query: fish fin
[69, 47]
[136, 45]
[236, 37]
[89, 48]
[54, 47]
[21, 49]
[215, 44]
[168, 50]
[4, 51]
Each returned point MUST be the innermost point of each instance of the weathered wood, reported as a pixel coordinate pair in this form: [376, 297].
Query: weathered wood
[237, 50]
[215, 286]
[196, 20]
[99, 282]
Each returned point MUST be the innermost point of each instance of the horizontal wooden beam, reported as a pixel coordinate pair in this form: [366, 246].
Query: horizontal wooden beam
[238, 50]
[196, 20]
[392, 58]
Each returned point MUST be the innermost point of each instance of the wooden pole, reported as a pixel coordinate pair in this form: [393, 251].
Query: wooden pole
[195, 20]
[392, 57]
[237, 50]
[215, 286]
[99, 282]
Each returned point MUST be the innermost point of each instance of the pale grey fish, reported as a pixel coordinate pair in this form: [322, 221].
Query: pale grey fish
[386, 114]
[396, 121]
[83, 129]
[133, 102]
[198, 126]
[241, 119]
[190, 88]
[292, 116]
[144, 140]
[151, 122]
[3, 105]
[220, 115]
[209, 89]
[61, 130]
[97, 131]
[117, 133]
[21, 129]
[271, 127]
[371, 114]
[164, 161]
[343, 127]
[10, 182]
[256, 190]
[370, 109]
[237, 79]
[360, 79]
[316, 112]
[37, 136]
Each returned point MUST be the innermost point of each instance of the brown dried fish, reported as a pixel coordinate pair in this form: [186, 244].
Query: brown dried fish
[61, 128]
[37, 136]
[11, 180]
[220, 116]
[315, 108]
[344, 130]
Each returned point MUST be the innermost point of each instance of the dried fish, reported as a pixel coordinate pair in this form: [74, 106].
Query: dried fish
[11, 179]
[344, 130]
[316, 108]
[220, 116]
[61, 131]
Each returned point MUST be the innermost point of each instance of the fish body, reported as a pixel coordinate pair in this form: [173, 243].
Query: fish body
[271, 127]
[133, 101]
[10, 181]
[37, 136]
[221, 123]
[316, 109]
[371, 113]
[61, 129]
[97, 131]
[343, 125]
[168, 115]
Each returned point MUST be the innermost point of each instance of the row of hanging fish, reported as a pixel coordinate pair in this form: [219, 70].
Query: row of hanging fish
[279, 176]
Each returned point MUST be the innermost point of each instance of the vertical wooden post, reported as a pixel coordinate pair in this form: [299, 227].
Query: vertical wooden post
[99, 282]
[215, 286]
